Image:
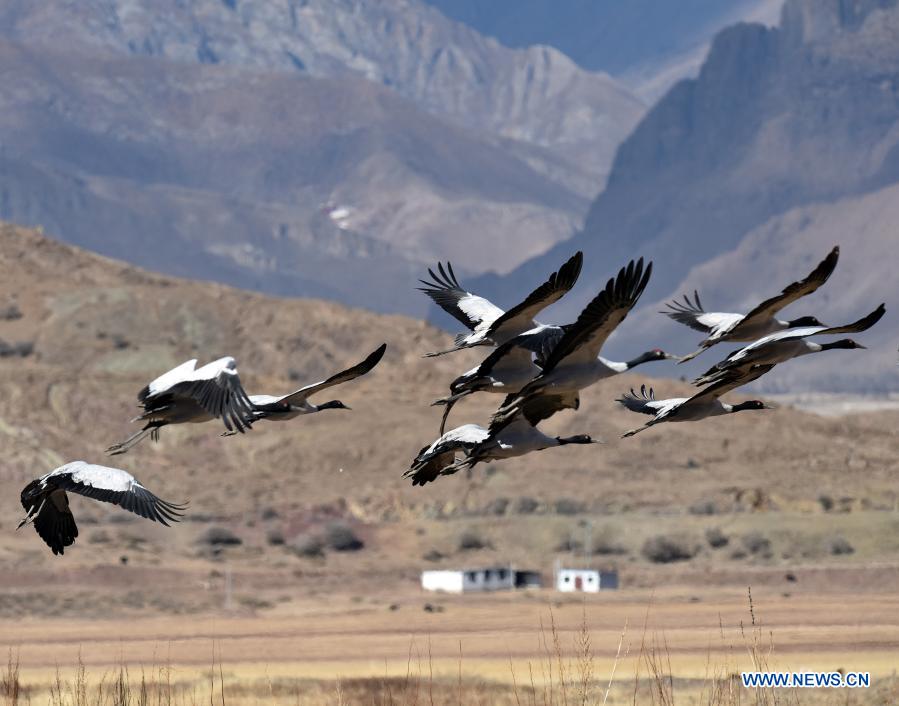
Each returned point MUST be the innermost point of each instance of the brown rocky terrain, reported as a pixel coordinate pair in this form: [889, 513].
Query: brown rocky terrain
[96, 330]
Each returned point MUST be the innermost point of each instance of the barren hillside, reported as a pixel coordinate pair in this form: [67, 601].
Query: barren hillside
[101, 329]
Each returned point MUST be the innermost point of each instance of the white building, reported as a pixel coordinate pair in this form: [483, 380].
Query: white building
[494, 578]
[586, 580]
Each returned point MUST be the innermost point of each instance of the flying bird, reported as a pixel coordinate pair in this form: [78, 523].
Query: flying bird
[297, 403]
[512, 432]
[574, 363]
[488, 324]
[187, 394]
[47, 504]
[784, 345]
[703, 404]
[759, 322]
[510, 366]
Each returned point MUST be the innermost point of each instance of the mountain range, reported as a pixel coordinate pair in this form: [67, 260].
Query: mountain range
[733, 183]
[647, 44]
[273, 140]
[337, 149]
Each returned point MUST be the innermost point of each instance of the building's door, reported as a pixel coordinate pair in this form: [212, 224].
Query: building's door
[578, 583]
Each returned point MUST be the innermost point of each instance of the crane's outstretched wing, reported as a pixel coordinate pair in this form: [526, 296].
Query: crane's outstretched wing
[796, 290]
[692, 314]
[521, 316]
[216, 387]
[356, 371]
[113, 485]
[730, 380]
[583, 340]
[166, 380]
[534, 408]
[469, 309]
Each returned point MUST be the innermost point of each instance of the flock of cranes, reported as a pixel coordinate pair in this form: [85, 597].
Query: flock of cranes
[539, 368]
[542, 368]
[185, 394]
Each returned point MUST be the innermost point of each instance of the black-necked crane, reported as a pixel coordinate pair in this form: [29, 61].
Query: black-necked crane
[704, 404]
[512, 432]
[511, 366]
[573, 363]
[47, 504]
[488, 324]
[297, 403]
[190, 395]
[761, 321]
[785, 345]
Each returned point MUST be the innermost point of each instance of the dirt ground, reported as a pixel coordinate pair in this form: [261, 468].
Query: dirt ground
[346, 637]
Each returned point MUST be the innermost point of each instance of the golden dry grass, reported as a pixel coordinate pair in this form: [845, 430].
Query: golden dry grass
[657, 650]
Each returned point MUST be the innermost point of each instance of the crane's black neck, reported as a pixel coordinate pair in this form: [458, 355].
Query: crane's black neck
[577, 439]
[644, 358]
[836, 345]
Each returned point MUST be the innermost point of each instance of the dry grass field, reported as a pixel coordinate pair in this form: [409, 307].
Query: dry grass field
[533, 643]
[808, 519]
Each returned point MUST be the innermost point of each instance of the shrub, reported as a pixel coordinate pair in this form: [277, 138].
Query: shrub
[470, 540]
[826, 502]
[840, 545]
[275, 537]
[341, 538]
[22, 349]
[757, 544]
[526, 506]
[716, 538]
[704, 507]
[606, 543]
[308, 546]
[219, 536]
[663, 549]
[11, 312]
[497, 507]
[567, 506]
[433, 555]
[569, 544]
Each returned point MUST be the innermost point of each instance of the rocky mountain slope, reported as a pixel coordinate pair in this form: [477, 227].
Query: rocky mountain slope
[779, 118]
[647, 44]
[421, 134]
[535, 95]
[244, 171]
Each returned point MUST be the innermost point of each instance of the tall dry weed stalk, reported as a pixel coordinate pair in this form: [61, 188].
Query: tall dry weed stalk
[565, 681]
[10, 686]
